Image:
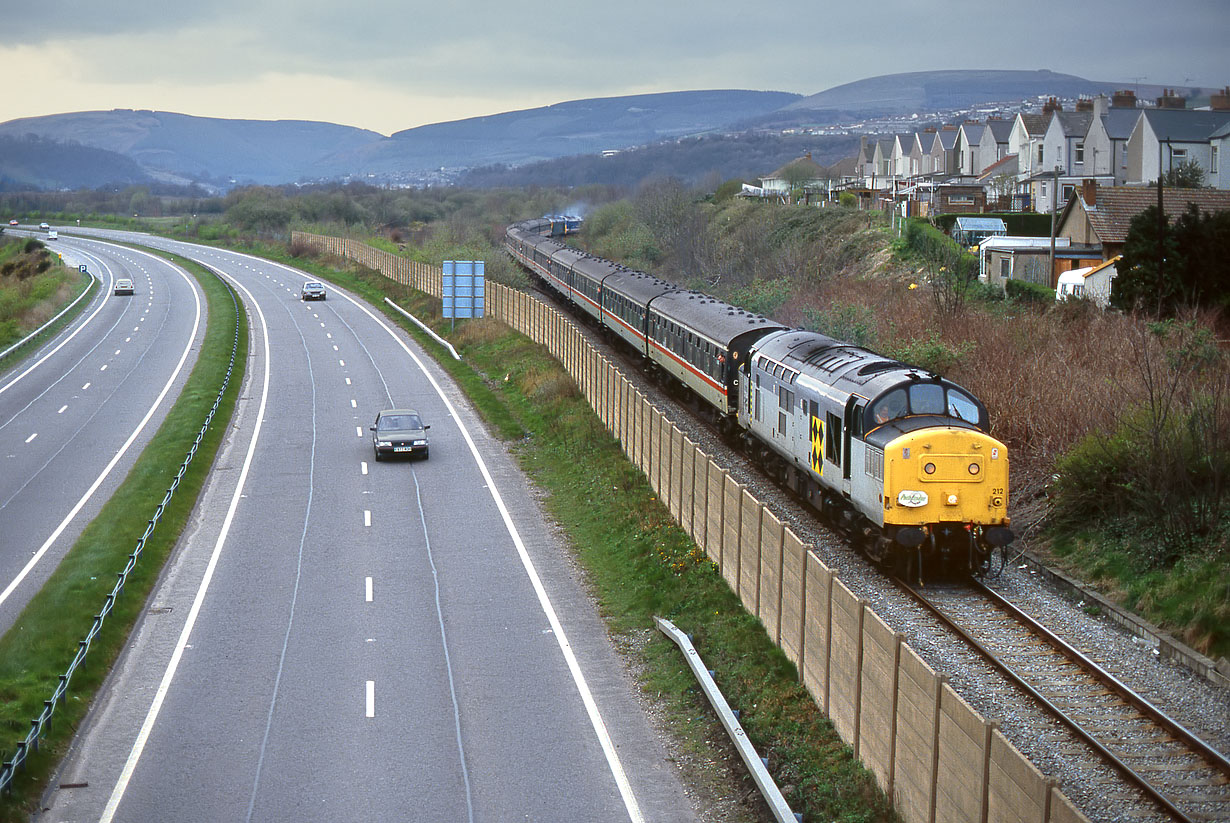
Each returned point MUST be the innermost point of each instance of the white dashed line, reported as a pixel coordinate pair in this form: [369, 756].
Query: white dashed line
[347, 381]
[371, 698]
[62, 408]
[354, 403]
[358, 431]
[31, 437]
[341, 362]
[369, 590]
[86, 386]
[362, 463]
[104, 367]
[367, 513]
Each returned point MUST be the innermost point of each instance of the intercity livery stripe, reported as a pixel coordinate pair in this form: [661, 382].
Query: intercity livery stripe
[716, 385]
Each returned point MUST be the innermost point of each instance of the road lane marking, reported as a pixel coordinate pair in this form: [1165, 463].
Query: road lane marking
[371, 698]
[368, 586]
[31, 437]
[86, 386]
[358, 430]
[104, 367]
[362, 463]
[354, 404]
[62, 408]
[367, 513]
[341, 362]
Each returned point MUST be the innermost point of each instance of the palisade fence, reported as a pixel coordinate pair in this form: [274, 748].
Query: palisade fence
[937, 758]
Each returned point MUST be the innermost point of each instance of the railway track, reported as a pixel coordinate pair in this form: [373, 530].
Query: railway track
[1167, 772]
[1175, 769]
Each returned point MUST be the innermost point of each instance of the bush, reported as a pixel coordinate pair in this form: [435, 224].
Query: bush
[850, 323]
[931, 353]
[847, 199]
[1027, 292]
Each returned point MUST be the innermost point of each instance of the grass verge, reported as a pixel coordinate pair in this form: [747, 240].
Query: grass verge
[39, 646]
[25, 306]
[640, 563]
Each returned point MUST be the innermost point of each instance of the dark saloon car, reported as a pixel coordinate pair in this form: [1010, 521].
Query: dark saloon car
[312, 291]
[399, 432]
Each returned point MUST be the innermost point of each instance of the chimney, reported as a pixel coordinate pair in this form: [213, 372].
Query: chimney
[1051, 105]
[1170, 99]
[807, 154]
[1100, 105]
[1221, 100]
[929, 130]
[950, 127]
[1124, 99]
[1089, 193]
[1084, 104]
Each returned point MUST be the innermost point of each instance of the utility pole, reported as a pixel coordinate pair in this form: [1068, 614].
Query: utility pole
[1054, 218]
[1161, 227]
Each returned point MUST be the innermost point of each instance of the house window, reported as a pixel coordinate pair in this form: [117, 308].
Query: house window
[1005, 268]
[1067, 192]
[1213, 158]
[1044, 189]
[1039, 154]
[1080, 152]
[961, 199]
[1178, 154]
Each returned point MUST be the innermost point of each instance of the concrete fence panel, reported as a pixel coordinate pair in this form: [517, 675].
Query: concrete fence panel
[818, 631]
[715, 502]
[846, 656]
[877, 731]
[1017, 791]
[1062, 810]
[914, 771]
[749, 552]
[794, 597]
[772, 544]
[961, 781]
[732, 526]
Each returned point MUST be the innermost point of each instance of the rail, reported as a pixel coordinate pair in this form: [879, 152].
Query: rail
[1098, 674]
[8, 770]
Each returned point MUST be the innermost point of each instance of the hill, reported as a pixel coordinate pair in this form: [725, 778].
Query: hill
[38, 162]
[200, 148]
[928, 91]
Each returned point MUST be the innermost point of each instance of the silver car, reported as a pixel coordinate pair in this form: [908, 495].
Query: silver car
[399, 432]
[123, 286]
[312, 291]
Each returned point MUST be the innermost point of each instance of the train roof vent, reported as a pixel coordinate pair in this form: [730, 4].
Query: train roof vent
[878, 366]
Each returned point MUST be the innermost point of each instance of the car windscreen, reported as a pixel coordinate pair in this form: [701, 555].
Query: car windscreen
[399, 422]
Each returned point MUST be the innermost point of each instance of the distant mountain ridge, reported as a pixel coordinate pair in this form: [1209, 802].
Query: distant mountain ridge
[183, 148]
[923, 91]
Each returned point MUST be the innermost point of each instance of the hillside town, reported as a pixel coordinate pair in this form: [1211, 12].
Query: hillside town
[1094, 167]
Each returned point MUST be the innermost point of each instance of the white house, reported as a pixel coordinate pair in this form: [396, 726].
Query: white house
[1165, 138]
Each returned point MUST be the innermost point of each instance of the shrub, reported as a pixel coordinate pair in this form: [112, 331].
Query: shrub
[1028, 292]
[931, 353]
[851, 323]
[847, 199]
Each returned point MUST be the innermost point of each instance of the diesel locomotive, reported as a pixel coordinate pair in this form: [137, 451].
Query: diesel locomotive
[898, 458]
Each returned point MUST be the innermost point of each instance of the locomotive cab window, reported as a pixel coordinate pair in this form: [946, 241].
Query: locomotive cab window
[962, 405]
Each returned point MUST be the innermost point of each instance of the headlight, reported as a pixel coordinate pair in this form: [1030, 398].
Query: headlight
[383, 443]
[974, 468]
[929, 468]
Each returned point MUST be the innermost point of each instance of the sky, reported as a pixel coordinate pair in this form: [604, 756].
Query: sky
[388, 65]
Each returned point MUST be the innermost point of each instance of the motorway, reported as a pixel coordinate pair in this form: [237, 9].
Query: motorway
[336, 639]
[76, 412]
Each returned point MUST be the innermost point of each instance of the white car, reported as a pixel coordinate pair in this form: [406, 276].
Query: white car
[44, 225]
[123, 286]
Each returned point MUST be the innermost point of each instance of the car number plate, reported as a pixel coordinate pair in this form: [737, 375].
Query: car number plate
[403, 448]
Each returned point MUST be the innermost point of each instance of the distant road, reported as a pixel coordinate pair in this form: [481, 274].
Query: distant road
[338, 639]
[76, 412]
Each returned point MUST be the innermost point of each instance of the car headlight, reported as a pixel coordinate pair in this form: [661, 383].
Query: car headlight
[383, 443]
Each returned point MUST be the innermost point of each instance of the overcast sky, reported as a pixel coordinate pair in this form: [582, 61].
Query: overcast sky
[388, 65]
